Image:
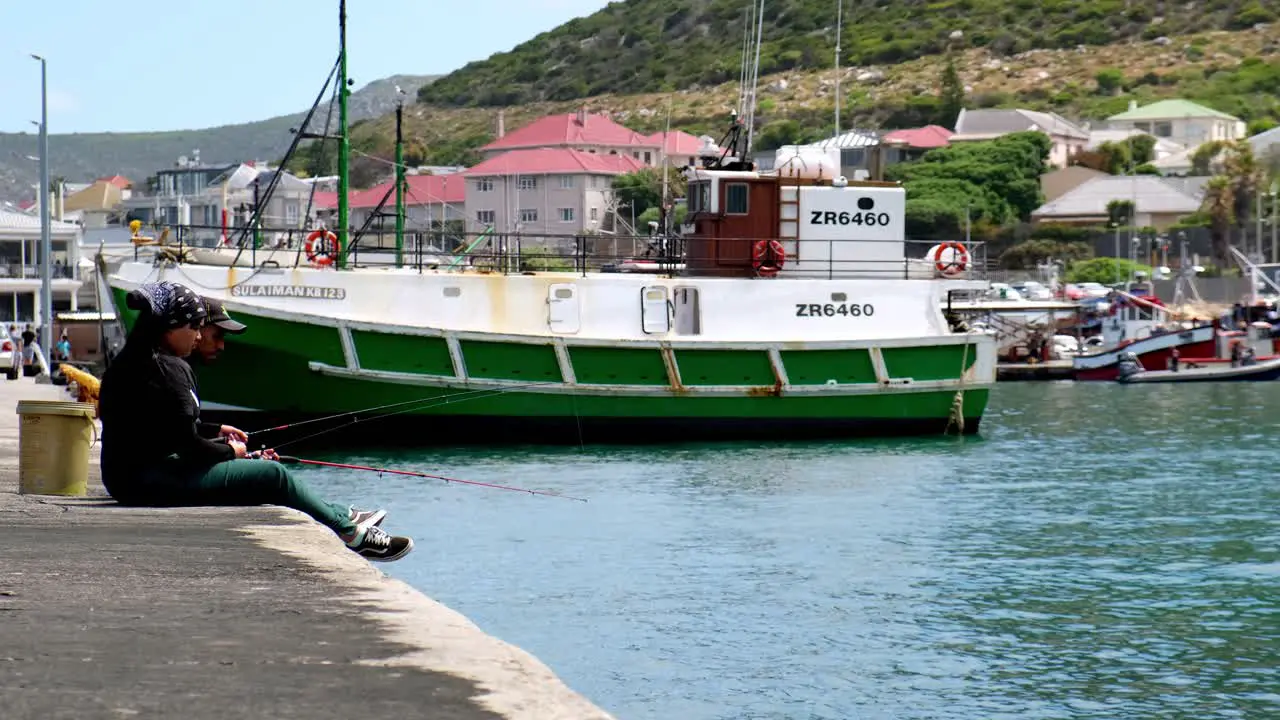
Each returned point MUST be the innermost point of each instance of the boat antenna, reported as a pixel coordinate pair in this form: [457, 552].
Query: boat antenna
[755, 81]
[839, 18]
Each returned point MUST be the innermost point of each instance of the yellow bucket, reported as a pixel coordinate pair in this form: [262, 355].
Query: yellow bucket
[54, 438]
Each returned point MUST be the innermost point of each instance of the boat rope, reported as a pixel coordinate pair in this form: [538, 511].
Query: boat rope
[955, 418]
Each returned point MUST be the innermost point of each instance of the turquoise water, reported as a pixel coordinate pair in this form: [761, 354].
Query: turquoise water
[1098, 552]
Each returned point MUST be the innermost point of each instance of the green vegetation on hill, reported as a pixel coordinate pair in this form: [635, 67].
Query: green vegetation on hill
[664, 45]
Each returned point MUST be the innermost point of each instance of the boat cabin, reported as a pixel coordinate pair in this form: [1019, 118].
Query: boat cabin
[823, 225]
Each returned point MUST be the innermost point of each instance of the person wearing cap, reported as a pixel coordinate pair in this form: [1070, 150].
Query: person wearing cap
[218, 324]
[157, 453]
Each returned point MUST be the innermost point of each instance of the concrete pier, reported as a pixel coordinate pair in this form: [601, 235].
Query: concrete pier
[114, 612]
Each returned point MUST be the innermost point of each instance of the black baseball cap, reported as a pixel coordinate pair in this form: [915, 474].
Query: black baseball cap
[218, 316]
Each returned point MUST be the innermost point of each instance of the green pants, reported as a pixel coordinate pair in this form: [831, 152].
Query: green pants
[239, 483]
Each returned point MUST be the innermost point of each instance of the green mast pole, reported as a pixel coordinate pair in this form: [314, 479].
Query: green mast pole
[344, 143]
[400, 187]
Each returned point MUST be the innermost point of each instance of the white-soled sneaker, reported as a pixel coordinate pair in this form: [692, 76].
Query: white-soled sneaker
[374, 543]
[366, 518]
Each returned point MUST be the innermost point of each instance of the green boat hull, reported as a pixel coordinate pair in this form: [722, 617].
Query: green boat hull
[283, 371]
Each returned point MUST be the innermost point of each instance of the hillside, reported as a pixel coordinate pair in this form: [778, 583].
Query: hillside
[641, 46]
[84, 156]
[1237, 72]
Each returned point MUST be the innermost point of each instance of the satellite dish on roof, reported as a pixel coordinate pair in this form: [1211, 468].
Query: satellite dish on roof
[182, 161]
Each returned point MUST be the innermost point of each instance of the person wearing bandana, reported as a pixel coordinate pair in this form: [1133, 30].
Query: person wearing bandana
[157, 453]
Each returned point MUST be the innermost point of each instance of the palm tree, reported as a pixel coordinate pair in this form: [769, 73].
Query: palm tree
[1219, 204]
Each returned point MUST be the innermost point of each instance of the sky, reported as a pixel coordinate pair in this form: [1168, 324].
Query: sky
[145, 65]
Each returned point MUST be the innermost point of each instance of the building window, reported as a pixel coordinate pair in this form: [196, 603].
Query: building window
[1163, 129]
[648, 158]
[291, 214]
[566, 215]
[566, 182]
[1142, 127]
[484, 185]
[528, 182]
[595, 213]
[529, 216]
[613, 152]
[484, 217]
[735, 198]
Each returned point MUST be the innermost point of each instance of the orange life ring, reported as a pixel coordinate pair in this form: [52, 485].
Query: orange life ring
[959, 262]
[768, 257]
[322, 247]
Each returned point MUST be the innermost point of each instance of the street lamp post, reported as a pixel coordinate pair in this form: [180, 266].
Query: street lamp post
[46, 246]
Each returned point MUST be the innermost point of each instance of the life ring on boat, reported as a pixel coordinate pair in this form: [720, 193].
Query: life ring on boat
[768, 257]
[958, 263]
[322, 247]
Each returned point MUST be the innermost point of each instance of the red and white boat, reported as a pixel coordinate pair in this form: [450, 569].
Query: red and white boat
[1140, 323]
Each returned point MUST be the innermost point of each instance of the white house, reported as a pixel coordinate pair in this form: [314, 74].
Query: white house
[20, 272]
[1182, 121]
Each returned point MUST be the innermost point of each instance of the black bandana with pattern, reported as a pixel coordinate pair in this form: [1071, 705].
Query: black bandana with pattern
[171, 304]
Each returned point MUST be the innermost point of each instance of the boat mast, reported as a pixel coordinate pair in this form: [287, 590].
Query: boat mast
[399, 186]
[344, 142]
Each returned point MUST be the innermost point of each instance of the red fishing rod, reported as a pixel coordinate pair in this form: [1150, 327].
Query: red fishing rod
[290, 460]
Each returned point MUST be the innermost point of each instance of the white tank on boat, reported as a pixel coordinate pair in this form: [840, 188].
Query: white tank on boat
[798, 161]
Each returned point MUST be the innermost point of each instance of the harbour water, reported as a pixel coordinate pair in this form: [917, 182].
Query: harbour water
[1097, 552]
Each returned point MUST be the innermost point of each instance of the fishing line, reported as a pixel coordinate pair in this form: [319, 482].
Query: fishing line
[290, 460]
[439, 401]
[445, 398]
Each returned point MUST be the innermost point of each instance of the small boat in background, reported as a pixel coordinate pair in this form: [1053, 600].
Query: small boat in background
[1247, 370]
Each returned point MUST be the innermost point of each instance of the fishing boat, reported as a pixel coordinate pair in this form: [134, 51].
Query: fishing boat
[800, 311]
[1247, 371]
[1139, 323]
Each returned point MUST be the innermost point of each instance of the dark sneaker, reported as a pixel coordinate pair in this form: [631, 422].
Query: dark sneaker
[378, 545]
[366, 518]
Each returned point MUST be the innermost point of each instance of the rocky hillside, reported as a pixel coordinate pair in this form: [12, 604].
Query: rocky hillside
[1237, 72]
[639, 46]
[83, 157]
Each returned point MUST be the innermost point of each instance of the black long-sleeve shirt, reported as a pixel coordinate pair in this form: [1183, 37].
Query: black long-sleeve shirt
[151, 420]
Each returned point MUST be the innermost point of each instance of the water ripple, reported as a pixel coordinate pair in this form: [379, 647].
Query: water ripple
[1100, 552]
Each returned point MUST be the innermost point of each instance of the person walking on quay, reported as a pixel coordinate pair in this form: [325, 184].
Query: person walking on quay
[157, 453]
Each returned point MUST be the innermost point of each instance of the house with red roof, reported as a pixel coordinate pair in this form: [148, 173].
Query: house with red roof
[119, 181]
[910, 144]
[583, 131]
[428, 199]
[544, 190]
[680, 147]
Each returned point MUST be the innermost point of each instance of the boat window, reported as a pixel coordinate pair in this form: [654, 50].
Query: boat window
[655, 313]
[452, 292]
[704, 197]
[695, 200]
[687, 311]
[839, 297]
[735, 198]
[562, 308]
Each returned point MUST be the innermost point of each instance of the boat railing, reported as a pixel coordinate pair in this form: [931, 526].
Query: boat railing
[521, 252]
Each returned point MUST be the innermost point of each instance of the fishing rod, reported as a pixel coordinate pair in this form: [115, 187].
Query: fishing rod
[442, 399]
[445, 400]
[291, 460]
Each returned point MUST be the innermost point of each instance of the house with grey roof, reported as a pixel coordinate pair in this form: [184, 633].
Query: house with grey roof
[1066, 137]
[1182, 121]
[1266, 147]
[1158, 202]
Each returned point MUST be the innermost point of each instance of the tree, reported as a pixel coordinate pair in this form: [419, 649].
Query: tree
[1246, 177]
[1120, 212]
[1103, 270]
[998, 180]
[1203, 158]
[1219, 204]
[642, 189]
[1143, 149]
[951, 96]
[1030, 253]
[1109, 81]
